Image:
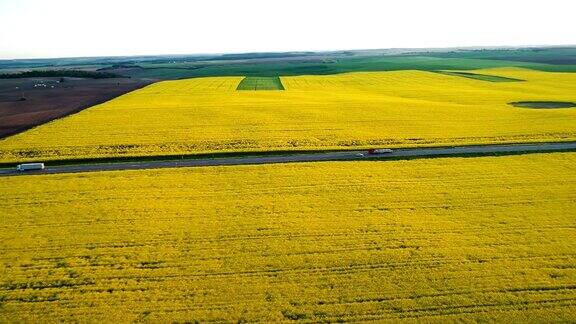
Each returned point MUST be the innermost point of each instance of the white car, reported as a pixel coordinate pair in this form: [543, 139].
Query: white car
[379, 151]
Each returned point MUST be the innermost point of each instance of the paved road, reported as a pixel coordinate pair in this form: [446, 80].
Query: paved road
[308, 157]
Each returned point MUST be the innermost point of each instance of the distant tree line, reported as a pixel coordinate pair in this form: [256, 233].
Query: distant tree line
[61, 73]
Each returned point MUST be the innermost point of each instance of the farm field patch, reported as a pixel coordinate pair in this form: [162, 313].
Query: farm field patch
[476, 76]
[27, 102]
[476, 239]
[543, 104]
[260, 83]
[345, 111]
[321, 65]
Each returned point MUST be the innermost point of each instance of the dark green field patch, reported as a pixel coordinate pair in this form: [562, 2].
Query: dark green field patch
[543, 104]
[476, 76]
[260, 83]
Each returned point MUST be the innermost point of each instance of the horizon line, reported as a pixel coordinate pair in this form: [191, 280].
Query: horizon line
[473, 47]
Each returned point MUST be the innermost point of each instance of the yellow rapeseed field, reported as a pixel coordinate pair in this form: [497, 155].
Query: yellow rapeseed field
[475, 239]
[401, 108]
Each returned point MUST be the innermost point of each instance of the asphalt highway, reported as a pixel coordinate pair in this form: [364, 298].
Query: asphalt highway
[302, 157]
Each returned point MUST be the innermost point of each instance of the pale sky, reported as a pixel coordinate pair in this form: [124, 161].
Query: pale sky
[65, 28]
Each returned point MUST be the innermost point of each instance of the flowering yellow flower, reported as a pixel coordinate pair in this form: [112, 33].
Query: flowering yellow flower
[448, 239]
[352, 110]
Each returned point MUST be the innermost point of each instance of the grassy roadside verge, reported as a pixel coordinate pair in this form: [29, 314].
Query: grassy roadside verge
[197, 156]
[467, 155]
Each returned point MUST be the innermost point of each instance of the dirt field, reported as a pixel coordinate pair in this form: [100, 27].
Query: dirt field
[47, 99]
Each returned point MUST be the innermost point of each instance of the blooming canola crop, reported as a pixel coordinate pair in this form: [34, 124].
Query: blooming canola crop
[343, 111]
[449, 239]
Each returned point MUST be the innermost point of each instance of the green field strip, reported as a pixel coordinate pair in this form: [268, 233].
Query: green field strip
[260, 83]
[482, 77]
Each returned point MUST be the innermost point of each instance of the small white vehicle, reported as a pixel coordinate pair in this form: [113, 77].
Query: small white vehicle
[359, 154]
[379, 151]
[29, 167]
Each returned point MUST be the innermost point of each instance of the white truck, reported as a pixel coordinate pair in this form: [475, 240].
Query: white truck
[29, 167]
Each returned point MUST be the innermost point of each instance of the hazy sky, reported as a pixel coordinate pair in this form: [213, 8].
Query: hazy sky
[59, 28]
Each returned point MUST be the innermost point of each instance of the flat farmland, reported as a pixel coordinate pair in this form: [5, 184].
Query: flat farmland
[260, 83]
[476, 239]
[48, 99]
[345, 111]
